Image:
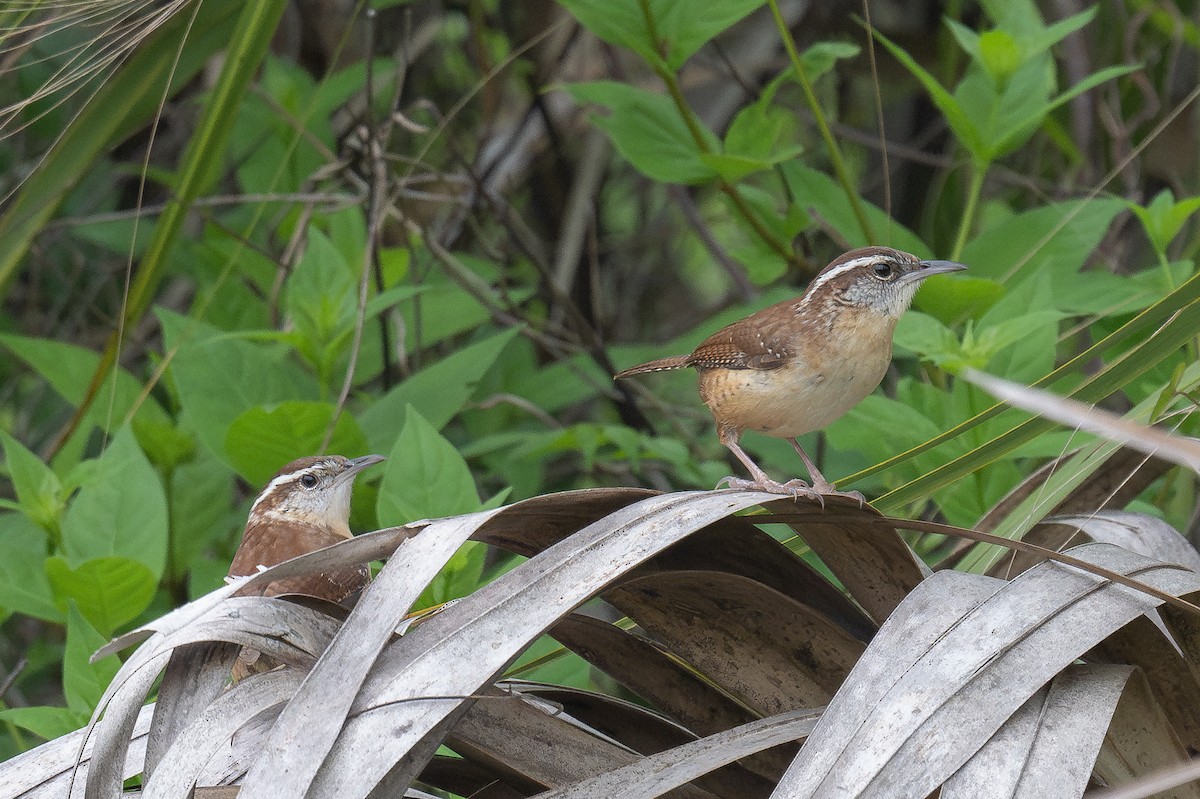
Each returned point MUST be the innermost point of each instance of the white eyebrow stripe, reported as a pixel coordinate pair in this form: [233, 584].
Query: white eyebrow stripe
[821, 280]
[280, 480]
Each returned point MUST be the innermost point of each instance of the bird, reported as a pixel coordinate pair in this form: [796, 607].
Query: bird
[799, 365]
[304, 507]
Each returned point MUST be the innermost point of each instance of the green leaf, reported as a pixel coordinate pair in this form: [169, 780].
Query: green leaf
[68, 369]
[219, 376]
[38, 488]
[1000, 55]
[202, 495]
[45, 722]
[925, 336]
[425, 477]
[1091, 81]
[260, 441]
[165, 444]
[84, 682]
[752, 142]
[24, 587]
[1055, 238]
[820, 57]
[321, 293]
[120, 509]
[461, 575]
[1163, 218]
[817, 191]
[648, 131]
[108, 591]
[683, 26]
[964, 296]
[438, 391]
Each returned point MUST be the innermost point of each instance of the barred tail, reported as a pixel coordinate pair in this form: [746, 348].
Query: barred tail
[661, 365]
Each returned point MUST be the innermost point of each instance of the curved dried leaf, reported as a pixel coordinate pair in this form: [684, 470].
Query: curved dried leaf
[212, 729]
[910, 716]
[465, 778]
[286, 631]
[1047, 748]
[490, 627]
[720, 622]
[353, 552]
[1138, 532]
[531, 744]
[1146, 644]
[1140, 741]
[323, 702]
[195, 675]
[638, 728]
[735, 545]
[48, 771]
[659, 773]
[870, 559]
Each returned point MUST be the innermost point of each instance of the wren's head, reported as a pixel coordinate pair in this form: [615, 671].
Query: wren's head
[314, 490]
[878, 278]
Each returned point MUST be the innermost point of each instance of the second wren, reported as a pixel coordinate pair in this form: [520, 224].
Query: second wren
[799, 365]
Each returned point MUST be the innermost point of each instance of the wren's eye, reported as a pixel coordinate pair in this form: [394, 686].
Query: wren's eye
[308, 480]
[883, 270]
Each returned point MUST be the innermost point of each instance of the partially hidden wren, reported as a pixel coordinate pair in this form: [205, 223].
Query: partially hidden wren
[799, 365]
[305, 507]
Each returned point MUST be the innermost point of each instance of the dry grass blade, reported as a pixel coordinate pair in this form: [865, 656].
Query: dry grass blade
[659, 773]
[1047, 747]
[1143, 438]
[937, 683]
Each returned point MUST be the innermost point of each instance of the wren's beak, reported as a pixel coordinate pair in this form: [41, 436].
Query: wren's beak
[356, 465]
[931, 268]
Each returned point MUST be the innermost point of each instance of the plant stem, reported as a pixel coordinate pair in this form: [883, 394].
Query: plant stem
[978, 171]
[661, 68]
[831, 147]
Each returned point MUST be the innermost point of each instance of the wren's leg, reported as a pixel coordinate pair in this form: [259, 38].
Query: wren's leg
[761, 481]
[819, 483]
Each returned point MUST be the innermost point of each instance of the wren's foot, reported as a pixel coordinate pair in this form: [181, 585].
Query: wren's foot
[792, 488]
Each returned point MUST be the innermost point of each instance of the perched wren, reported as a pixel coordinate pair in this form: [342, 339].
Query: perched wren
[306, 506]
[798, 365]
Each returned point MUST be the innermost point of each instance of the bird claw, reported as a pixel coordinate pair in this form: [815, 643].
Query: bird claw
[794, 488]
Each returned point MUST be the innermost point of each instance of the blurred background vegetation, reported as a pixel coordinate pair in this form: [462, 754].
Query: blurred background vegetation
[234, 234]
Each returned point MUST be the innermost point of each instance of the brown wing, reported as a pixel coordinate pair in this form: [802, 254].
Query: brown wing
[270, 542]
[760, 341]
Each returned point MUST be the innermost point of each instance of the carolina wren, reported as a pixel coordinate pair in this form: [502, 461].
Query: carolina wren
[306, 506]
[799, 365]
